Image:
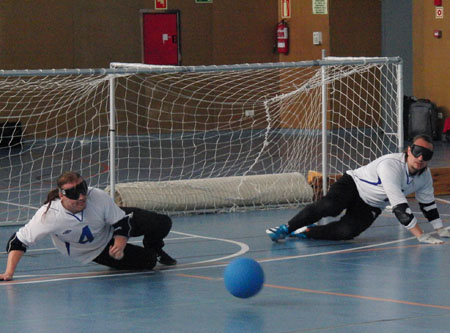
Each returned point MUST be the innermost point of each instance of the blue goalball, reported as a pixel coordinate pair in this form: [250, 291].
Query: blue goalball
[243, 277]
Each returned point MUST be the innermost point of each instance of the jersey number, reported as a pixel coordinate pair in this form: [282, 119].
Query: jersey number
[86, 236]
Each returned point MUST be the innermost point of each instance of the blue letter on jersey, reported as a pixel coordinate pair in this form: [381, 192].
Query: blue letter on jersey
[86, 236]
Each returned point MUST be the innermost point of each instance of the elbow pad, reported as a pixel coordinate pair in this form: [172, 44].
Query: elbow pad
[123, 226]
[431, 213]
[405, 215]
[15, 244]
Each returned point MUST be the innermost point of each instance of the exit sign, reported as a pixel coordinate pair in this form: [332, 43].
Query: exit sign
[160, 4]
[203, 1]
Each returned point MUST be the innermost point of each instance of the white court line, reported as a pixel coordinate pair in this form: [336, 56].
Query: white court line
[442, 200]
[53, 277]
[337, 251]
[191, 266]
[244, 247]
[132, 242]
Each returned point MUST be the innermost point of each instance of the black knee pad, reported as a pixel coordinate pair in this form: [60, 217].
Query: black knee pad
[15, 244]
[429, 210]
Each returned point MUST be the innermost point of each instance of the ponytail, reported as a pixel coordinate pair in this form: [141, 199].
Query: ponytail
[52, 195]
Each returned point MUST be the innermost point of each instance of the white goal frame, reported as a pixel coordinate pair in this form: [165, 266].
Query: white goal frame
[98, 91]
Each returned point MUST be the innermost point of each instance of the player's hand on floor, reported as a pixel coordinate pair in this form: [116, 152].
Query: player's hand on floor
[5, 277]
[443, 232]
[428, 239]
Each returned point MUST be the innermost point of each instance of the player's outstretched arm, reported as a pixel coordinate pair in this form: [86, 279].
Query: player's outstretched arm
[406, 217]
[14, 257]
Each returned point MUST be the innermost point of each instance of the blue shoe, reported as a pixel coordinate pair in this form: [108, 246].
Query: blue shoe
[278, 233]
[300, 232]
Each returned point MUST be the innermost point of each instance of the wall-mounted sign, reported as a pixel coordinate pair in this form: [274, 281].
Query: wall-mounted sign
[161, 4]
[320, 7]
[285, 8]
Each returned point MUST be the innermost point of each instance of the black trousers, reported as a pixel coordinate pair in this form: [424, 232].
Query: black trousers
[154, 227]
[343, 195]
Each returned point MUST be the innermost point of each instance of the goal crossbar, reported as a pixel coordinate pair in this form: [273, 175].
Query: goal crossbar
[132, 68]
[169, 126]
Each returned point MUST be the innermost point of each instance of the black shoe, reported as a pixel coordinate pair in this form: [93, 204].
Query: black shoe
[165, 259]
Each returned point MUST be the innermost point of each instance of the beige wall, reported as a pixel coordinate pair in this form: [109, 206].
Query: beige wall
[338, 30]
[88, 34]
[431, 56]
[355, 28]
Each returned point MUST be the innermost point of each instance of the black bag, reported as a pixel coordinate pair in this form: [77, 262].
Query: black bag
[407, 101]
[422, 119]
[10, 134]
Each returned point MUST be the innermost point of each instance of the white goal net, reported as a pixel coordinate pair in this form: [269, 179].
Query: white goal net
[194, 139]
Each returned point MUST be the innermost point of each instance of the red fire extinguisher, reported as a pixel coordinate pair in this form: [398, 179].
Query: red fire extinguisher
[283, 37]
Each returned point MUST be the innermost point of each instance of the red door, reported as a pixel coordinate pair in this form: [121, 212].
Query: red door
[161, 38]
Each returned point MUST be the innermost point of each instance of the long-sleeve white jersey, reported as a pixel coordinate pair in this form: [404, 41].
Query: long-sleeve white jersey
[387, 181]
[82, 236]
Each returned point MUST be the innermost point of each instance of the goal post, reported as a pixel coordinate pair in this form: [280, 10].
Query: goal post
[243, 135]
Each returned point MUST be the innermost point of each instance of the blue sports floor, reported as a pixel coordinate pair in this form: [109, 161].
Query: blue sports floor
[382, 281]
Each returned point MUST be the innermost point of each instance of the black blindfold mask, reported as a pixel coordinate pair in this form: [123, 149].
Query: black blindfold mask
[417, 151]
[74, 192]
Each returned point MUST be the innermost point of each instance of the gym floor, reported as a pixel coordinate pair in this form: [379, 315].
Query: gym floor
[382, 281]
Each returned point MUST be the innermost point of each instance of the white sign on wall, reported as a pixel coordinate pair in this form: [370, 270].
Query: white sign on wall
[439, 12]
[320, 7]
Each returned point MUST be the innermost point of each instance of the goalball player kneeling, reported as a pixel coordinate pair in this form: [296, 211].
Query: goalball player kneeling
[85, 224]
[364, 192]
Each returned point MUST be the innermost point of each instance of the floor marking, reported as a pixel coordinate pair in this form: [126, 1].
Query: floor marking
[72, 276]
[132, 242]
[331, 293]
[370, 298]
[337, 251]
[189, 266]
[197, 277]
[244, 247]
[196, 265]
[442, 200]
[86, 275]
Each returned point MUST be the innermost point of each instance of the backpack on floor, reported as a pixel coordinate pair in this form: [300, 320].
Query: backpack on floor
[422, 119]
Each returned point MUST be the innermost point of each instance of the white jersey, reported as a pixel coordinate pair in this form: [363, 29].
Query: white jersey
[387, 181]
[82, 236]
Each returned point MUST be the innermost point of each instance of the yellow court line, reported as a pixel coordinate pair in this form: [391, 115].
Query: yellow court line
[197, 277]
[330, 293]
[370, 298]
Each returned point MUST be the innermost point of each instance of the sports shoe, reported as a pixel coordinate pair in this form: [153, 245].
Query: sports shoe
[164, 258]
[278, 233]
[300, 232]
